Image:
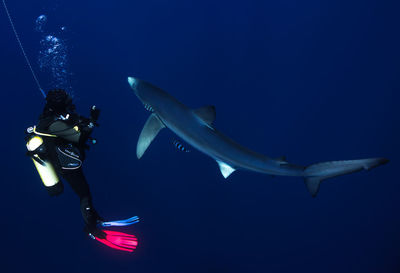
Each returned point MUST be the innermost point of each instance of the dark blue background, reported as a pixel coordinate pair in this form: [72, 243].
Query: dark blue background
[311, 80]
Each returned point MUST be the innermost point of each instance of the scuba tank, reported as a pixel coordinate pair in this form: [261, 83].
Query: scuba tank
[46, 170]
[67, 153]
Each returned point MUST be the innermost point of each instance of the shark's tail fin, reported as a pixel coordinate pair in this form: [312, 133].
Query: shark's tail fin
[318, 172]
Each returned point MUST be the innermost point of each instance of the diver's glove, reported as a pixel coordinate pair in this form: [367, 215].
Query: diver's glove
[86, 125]
[94, 114]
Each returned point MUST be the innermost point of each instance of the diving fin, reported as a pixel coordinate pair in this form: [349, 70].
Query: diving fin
[114, 239]
[117, 240]
[120, 223]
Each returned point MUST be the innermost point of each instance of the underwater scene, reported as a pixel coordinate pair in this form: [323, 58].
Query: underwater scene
[200, 136]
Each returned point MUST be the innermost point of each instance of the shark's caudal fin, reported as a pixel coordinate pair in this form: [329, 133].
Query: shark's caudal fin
[316, 173]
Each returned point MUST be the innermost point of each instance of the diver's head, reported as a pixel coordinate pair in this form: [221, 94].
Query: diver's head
[59, 102]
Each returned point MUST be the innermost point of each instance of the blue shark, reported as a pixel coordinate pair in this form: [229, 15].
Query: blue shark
[195, 127]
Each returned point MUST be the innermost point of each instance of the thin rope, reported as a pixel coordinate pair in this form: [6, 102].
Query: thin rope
[23, 51]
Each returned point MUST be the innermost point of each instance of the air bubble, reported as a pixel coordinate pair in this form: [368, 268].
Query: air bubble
[53, 59]
[41, 22]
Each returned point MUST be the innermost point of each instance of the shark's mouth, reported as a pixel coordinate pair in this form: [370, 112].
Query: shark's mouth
[148, 107]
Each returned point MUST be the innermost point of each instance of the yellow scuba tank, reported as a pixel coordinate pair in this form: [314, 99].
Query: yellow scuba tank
[45, 168]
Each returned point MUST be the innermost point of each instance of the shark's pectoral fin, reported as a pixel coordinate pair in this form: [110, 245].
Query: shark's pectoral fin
[206, 113]
[312, 184]
[149, 132]
[225, 169]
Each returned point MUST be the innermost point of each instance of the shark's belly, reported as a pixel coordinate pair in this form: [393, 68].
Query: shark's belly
[214, 144]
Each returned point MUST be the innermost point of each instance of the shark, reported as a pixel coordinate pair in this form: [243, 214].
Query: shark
[195, 127]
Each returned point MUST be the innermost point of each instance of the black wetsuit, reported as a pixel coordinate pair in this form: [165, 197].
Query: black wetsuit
[60, 152]
[74, 177]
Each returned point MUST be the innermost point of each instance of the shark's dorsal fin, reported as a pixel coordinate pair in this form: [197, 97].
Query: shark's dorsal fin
[149, 132]
[206, 113]
[282, 158]
[225, 169]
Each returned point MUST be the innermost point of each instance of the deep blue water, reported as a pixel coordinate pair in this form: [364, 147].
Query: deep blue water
[311, 80]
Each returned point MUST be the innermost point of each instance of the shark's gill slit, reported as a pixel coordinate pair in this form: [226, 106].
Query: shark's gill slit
[148, 107]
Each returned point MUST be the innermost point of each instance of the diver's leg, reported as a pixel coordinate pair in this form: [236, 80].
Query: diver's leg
[78, 183]
[76, 179]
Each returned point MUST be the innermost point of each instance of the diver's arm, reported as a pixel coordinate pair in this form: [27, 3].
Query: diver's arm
[44, 123]
[81, 124]
[86, 125]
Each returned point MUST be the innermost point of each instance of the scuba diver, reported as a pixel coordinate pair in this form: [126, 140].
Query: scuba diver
[57, 147]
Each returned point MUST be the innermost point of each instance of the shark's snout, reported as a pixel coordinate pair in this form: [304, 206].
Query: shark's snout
[131, 81]
[134, 83]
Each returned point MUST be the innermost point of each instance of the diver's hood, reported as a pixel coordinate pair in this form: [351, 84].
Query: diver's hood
[59, 102]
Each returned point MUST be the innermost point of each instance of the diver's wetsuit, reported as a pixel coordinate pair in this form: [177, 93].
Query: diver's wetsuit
[74, 177]
[57, 147]
[65, 149]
